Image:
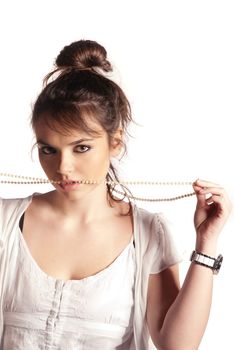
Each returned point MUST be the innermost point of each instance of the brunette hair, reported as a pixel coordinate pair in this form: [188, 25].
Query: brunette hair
[78, 89]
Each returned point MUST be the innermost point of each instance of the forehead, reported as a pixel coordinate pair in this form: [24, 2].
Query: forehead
[47, 132]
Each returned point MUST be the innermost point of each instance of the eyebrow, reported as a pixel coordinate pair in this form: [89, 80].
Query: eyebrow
[40, 141]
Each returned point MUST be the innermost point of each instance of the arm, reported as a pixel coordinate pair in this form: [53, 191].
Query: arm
[177, 319]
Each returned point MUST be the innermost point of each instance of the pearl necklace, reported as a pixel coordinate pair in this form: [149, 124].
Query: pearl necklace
[28, 180]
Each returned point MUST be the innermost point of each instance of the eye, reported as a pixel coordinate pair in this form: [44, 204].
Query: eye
[47, 150]
[82, 148]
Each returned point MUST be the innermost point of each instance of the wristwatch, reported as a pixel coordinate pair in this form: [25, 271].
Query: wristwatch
[208, 261]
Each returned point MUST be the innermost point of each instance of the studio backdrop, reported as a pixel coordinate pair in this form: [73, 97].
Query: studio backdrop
[174, 60]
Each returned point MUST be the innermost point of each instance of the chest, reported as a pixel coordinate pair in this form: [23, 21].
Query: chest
[100, 307]
[75, 252]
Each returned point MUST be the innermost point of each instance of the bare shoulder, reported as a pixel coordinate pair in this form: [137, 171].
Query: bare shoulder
[41, 201]
[42, 198]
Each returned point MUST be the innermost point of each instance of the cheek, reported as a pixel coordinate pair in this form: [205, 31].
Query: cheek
[99, 164]
[46, 164]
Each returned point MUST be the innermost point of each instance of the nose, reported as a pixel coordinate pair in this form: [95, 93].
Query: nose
[65, 165]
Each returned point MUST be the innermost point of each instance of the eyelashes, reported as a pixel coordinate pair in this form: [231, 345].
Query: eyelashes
[47, 150]
[80, 148]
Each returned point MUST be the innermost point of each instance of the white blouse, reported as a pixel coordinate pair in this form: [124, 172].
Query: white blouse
[41, 312]
[45, 313]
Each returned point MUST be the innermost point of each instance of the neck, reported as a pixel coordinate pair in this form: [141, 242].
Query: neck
[91, 207]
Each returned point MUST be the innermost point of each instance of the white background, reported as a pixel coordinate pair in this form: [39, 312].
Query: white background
[175, 63]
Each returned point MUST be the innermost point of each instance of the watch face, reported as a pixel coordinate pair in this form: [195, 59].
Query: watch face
[208, 261]
[218, 263]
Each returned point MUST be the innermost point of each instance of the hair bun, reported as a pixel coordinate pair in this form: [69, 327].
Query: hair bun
[84, 54]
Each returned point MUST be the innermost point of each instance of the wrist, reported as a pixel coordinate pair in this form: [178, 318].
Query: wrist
[208, 247]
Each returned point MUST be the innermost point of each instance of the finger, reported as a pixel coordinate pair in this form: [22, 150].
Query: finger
[214, 199]
[220, 203]
[204, 183]
[212, 191]
[219, 191]
[201, 197]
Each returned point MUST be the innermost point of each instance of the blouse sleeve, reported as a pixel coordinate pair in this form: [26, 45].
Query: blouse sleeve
[1, 218]
[166, 253]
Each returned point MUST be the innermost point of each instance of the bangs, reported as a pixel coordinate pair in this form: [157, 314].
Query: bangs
[64, 117]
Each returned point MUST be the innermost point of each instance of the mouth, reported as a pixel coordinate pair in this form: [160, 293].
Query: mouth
[67, 185]
[68, 182]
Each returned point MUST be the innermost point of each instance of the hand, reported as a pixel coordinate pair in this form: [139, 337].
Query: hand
[212, 210]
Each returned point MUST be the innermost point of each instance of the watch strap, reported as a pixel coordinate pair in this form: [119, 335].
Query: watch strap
[207, 261]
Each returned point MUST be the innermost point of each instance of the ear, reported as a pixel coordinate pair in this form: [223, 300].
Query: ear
[116, 143]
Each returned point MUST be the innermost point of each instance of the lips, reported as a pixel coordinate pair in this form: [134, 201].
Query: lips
[68, 184]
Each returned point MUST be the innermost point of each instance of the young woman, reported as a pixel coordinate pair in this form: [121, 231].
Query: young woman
[80, 268]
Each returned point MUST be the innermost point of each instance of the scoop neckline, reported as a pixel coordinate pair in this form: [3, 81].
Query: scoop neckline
[100, 273]
[93, 277]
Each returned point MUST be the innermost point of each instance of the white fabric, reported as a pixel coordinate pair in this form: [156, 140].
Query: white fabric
[154, 251]
[42, 312]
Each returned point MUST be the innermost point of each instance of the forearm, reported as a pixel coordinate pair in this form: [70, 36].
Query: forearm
[182, 325]
[186, 320]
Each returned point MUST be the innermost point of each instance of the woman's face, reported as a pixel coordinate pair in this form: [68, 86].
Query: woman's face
[73, 157]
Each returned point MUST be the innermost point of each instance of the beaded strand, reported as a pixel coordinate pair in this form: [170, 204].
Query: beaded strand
[28, 180]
